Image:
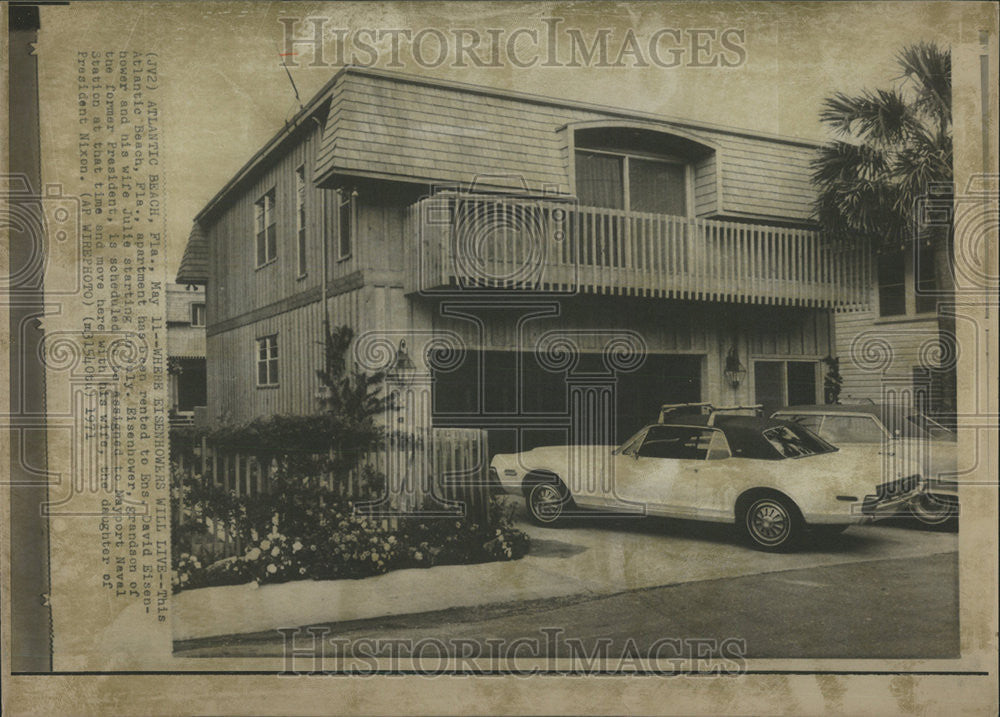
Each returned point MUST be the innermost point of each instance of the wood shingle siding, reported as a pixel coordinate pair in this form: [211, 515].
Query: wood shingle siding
[194, 263]
[432, 132]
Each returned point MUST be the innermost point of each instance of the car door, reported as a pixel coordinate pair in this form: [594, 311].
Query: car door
[663, 470]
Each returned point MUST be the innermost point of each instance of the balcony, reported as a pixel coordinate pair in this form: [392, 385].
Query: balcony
[480, 243]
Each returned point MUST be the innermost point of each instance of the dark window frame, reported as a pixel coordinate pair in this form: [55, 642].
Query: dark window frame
[195, 306]
[301, 220]
[625, 170]
[266, 228]
[907, 282]
[346, 223]
[891, 277]
[266, 355]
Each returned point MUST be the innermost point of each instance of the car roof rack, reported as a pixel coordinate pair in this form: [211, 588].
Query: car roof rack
[707, 409]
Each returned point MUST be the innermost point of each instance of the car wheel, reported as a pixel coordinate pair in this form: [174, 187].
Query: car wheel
[546, 502]
[931, 511]
[772, 523]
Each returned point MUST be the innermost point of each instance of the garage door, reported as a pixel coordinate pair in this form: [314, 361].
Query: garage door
[524, 404]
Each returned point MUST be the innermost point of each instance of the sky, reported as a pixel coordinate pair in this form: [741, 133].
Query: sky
[224, 91]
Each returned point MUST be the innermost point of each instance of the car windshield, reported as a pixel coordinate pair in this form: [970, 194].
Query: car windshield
[839, 428]
[795, 442]
[917, 425]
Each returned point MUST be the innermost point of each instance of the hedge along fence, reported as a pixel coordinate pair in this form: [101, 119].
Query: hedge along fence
[439, 472]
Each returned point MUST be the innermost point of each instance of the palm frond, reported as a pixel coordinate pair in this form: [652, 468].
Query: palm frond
[881, 116]
[894, 150]
[928, 69]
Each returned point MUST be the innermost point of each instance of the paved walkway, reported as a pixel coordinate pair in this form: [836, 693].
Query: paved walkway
[593, 557]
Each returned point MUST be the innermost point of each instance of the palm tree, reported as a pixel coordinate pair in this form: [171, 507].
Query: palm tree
[893, 149]
[893, 152]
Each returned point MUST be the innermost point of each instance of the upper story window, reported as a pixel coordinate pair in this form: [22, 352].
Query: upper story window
[265, 225]
[300, 218]
[618, 180]
[345, 222]
[907, 281]
[197, 314]
[892, 284]
[267, 360]
[638, 168]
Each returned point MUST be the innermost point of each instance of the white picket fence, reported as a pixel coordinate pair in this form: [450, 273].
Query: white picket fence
[442, 472]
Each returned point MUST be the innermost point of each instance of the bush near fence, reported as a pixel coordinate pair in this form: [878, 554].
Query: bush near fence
[271, 518]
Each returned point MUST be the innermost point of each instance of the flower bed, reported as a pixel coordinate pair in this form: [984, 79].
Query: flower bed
[304, 532]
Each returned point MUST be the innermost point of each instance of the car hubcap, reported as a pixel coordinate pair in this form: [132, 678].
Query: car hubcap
[930, 511]
[546, 503]
[769, 522]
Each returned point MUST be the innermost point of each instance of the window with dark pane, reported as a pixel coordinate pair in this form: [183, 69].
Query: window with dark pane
[600, 180]
[300, 217]
[925, 272]
[657, 187]
[267, 361]
[891, 284]
[266, 229]
[345, 221]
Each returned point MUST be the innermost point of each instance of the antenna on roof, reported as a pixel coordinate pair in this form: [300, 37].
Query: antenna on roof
[288, 72]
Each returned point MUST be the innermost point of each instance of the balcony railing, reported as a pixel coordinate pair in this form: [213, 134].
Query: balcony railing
[469, 243]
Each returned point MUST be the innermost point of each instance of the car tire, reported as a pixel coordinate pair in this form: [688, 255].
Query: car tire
[772, 523]
[547, 501]
[930, 511]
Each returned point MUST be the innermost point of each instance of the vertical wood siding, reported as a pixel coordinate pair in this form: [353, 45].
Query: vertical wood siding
[237, 285]
[233, 395]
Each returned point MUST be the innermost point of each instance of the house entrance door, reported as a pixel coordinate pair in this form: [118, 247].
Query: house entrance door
[784, 383]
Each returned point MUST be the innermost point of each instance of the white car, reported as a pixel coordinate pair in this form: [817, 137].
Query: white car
[775, 480]
[897, 441]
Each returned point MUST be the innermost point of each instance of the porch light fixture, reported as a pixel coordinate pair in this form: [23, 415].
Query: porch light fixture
[403, 366]
[734, 372]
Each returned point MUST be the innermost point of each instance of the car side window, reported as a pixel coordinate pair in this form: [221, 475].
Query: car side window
[852, 429]
[718, 446]
[682, 442]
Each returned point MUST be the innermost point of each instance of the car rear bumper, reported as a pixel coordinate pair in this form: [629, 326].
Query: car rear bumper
[896, 498]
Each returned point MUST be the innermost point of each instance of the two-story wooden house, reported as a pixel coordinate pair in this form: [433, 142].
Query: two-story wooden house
[549, 242]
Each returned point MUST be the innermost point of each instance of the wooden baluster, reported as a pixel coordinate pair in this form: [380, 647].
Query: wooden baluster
[216, 478]
[774, 265]
[783, 263]
[506, 250]
[592, 249]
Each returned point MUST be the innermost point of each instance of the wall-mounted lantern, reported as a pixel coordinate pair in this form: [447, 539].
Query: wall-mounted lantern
[403, 367]
[734, 372]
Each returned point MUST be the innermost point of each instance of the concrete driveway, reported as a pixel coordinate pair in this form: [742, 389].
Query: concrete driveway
[591, 557]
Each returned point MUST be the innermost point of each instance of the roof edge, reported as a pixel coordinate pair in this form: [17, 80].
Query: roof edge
[316, 102]
[576, 104]
[290, 126]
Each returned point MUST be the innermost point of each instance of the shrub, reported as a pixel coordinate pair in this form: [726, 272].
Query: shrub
[305, 531]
